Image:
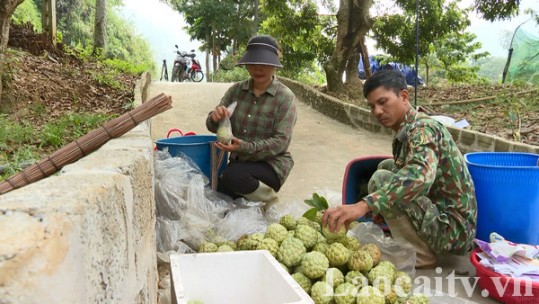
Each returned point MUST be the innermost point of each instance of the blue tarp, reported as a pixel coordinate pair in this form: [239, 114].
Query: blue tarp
[376, 66]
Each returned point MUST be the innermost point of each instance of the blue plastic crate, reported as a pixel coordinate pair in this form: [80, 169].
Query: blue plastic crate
[507, 190]
[196, 147]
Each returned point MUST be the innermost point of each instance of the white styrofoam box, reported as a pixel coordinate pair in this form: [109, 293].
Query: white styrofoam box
[238, 277]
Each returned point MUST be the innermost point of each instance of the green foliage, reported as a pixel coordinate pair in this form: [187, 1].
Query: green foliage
[21, 142]
[219, 24]
[319, 203]
[28, 12]
[490, 68]
[442, 34]
[108, 77]
[122, 41]
[234, 75]
[497, 9]
[127, 67]
[306, 42]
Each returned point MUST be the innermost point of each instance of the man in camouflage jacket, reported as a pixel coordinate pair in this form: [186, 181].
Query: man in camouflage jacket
[425, 193]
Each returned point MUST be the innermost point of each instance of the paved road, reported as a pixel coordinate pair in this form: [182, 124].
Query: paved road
[321, 148]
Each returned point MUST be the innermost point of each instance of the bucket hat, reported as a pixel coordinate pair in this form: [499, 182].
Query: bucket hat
[261, 50]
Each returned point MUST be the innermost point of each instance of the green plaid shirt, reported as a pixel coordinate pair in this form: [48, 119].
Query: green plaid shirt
[263, 123]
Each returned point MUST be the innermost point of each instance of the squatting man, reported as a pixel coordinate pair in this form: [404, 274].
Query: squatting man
[425, 193]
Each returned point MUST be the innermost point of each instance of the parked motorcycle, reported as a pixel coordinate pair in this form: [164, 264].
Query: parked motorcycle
[179, 66]
[186, 67]
[194, 71]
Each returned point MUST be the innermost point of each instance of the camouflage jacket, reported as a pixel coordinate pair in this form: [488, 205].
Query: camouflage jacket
[429, 164]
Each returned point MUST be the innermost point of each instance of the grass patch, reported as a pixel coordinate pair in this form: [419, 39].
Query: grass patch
[21, 144]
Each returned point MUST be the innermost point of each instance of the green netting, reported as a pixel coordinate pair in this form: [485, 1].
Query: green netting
[524, 64]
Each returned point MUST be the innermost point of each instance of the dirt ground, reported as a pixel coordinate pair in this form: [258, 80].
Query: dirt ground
[44, 79]
[508, 111]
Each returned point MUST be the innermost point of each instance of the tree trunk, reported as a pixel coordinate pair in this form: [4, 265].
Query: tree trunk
[208, 53]
[427, 74]
[353, 22]
[7, 7]
[352, 78]
[100, 32]
[365, 58]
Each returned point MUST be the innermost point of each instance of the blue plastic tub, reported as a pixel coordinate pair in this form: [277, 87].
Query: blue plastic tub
[196, 147]
[507, 190]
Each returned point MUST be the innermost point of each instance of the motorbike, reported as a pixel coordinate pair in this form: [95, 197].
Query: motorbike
[186, 67]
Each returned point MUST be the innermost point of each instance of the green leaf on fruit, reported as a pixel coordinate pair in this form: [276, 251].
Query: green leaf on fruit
[311, 213]
[318, 202]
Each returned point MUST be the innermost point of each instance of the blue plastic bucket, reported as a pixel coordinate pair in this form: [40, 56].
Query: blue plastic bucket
[507, 190]
[196, 147]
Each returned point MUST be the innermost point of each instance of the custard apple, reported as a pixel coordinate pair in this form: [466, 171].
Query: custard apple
[337, 254]
[289, 222]
[353, 225]
[307, 235]
[333, 236]
[318, 217]
[381, 275]
[345, 293]
[356, 278]
[249, 242]
[314, 264]
[374, 251]
[232, 244]
[370, 295]
[321, 293]
[320, 238]
[305, 221]
[268, 244]
[321, 247]
[207, 247]
[291, 252]
[333, 277]
[224, 248]
[403, 283]
[277, 232]
[390, 295]
[360, 260]
[303, 281]
[349, 242]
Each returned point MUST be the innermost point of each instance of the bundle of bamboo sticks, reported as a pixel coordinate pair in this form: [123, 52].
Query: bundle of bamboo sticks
[88, 143]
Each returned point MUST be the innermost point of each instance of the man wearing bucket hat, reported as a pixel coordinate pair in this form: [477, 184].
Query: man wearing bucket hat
[425, 193]
[261, 123]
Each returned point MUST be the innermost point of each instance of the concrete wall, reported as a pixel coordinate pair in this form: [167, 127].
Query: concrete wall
[87, 234]
[467, 140]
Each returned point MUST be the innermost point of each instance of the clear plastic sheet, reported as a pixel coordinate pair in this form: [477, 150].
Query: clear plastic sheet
[400, 253]
[190, 213]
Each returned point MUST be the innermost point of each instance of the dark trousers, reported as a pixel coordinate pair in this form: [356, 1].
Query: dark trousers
[243, 177]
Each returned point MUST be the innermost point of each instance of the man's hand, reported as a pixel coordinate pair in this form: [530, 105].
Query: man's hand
[335, 217]
[233, 146]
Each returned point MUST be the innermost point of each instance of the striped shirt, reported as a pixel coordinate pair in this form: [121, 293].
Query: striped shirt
[263, 123]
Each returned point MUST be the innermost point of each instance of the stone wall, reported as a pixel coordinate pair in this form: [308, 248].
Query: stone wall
[467, 140]
[87, 234]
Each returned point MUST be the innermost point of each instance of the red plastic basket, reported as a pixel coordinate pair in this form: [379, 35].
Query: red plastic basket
[516, 291]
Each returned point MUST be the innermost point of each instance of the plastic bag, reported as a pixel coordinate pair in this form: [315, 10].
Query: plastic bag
[190, 213]
[400, 253]
[224, 130]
